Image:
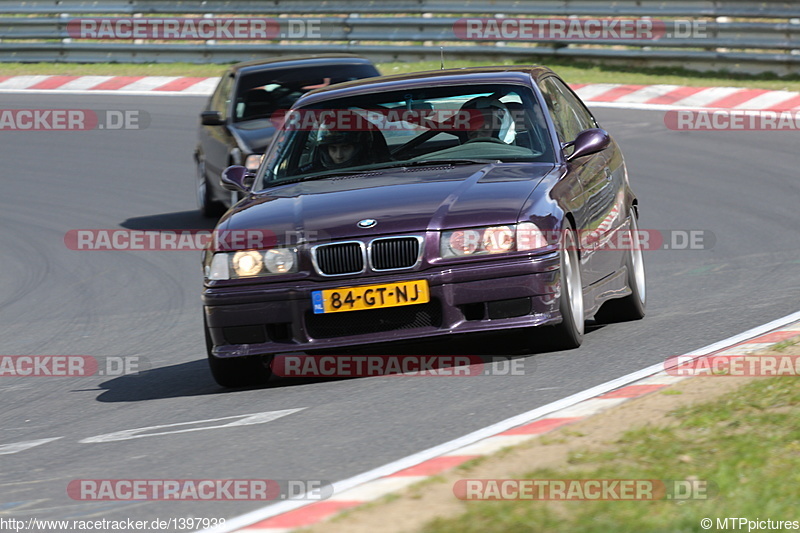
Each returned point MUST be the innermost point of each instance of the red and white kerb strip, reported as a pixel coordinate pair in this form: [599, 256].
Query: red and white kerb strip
[688, 97]
[310, 514]
[110, 84]
[668, 95]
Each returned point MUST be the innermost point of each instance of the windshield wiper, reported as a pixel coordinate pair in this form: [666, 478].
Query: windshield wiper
[399, 164]
[321, 176]
[433, 162]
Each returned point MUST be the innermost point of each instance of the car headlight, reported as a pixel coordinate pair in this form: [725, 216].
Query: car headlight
[247, 264]
[531, 237]
[498, 239]
[279, 260]
[252, 263]
[461, 242]
[492, 240]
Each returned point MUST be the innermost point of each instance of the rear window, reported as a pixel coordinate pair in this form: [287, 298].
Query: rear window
[261, 94]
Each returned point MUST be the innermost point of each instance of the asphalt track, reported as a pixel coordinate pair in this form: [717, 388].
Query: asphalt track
[742, 186]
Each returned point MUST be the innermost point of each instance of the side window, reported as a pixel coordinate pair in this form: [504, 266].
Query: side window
[547, 92]
[222, 96]
[584, 117]
[568, 126]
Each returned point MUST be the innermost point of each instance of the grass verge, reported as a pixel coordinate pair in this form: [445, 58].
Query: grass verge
[573, 72]
[747, 444]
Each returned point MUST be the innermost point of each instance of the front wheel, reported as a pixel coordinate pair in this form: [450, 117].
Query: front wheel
[236, 372]
[208, 206]
[631, 307]
[569, 333]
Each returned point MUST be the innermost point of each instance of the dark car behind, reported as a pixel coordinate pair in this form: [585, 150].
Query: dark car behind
[238, 121]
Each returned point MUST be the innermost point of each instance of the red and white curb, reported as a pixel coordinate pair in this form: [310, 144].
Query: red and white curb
[676, 96]
[289, 515]
[122, 85]
[644, 96]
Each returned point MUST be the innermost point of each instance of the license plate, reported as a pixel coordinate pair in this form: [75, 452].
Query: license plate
[371, 297]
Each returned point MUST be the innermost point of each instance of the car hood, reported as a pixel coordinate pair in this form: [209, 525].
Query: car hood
[414, 199]
[254, 135]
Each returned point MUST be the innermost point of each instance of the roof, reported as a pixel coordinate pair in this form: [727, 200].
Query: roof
[287, 62]
[520, 74]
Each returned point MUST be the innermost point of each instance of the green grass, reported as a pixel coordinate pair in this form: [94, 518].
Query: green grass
[781, 346]
[576, 72]
[746, 444]
[573, 72]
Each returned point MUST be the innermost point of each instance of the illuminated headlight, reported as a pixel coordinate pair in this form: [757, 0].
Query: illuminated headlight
[253, 161]
[252, 263]
[492, 240]
[247, 264]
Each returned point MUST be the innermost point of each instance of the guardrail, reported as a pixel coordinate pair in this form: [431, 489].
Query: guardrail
[725, 34]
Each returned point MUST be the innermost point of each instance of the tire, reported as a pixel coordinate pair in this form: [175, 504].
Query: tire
[237, 372]
[209, 207]
[631, 307]
[569, 333]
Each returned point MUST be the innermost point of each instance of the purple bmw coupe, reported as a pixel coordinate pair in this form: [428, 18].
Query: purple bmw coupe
[423, 205]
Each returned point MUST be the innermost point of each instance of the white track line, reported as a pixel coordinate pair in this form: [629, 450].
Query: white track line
[442, 449]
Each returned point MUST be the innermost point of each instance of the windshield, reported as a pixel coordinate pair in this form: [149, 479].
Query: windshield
[260, 94]
[431, 125]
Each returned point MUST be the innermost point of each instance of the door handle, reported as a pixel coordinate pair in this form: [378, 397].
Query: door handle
[609, 175]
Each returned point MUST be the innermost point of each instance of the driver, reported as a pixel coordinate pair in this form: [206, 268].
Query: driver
[489, 119]
[342, 149]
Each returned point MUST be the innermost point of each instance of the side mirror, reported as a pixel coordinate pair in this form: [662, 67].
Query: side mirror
[236, 178]
[211, 118]
[588, 142]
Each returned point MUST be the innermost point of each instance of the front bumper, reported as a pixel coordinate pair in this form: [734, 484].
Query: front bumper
[275, 318]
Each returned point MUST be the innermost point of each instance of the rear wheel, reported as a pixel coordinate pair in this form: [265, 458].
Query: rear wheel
[235, 372]
[208, 206]
[631, 307]
[569, 333]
